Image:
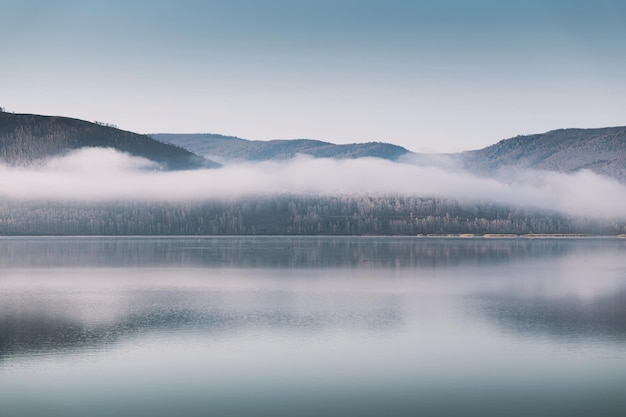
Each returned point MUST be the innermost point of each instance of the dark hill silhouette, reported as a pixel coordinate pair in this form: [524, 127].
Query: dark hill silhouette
[26, 138]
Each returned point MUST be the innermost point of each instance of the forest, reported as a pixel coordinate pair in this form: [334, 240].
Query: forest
[348, 214]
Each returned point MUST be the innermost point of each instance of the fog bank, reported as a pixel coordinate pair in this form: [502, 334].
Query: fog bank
[99, 175]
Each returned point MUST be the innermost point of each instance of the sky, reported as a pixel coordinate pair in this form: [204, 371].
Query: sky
[432, 76]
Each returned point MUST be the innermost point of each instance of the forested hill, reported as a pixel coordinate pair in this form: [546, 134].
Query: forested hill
[25, 138]
[230, 148]
[566, 150]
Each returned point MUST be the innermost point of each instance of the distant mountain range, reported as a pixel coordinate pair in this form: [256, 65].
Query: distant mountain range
[602, 151]
[230, 148]
[26, 138]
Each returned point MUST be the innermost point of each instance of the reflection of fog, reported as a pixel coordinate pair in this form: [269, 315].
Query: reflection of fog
[581, 295]
[253, 252]
[39, 325]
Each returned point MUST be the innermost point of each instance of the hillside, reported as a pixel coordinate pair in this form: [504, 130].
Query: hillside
[232, 148]
[566, 150]
[26, 138]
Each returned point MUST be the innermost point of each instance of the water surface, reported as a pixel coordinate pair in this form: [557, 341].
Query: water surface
[309, 326]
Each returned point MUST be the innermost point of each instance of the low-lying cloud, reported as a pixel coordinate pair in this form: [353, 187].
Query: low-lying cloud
[99, 175]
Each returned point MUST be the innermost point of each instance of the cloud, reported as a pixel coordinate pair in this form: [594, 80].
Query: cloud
[98, 175]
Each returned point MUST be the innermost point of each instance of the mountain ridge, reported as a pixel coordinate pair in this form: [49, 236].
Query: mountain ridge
[27, 138]
[568, 150]
[601, 150]
[232, 148]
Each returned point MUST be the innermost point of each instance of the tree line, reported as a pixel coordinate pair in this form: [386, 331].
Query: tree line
[292, 215]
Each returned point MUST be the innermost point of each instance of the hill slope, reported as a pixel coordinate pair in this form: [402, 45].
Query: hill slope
[233, 148]
[25, 138]
[566, 150]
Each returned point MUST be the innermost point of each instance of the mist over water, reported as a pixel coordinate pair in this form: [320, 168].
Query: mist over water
[99, 175]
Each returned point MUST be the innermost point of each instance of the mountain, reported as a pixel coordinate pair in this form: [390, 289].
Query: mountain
[232, 148]
[602, 151]
[26, 138]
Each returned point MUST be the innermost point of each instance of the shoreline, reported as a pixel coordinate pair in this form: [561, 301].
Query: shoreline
[429, 235]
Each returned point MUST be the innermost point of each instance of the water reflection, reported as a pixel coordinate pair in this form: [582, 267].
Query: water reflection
[266, 252]
[69, 319]
[568, 319]
[312, 326]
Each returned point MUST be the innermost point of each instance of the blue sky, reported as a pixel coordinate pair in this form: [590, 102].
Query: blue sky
[429, 75]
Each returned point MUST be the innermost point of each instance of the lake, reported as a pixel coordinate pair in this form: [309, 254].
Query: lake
[312, 326]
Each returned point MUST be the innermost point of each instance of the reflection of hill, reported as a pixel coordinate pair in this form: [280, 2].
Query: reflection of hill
[34, 332]
[280, 252]
[567, 319]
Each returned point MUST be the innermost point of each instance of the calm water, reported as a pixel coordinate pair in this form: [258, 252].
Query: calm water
[312, 327]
